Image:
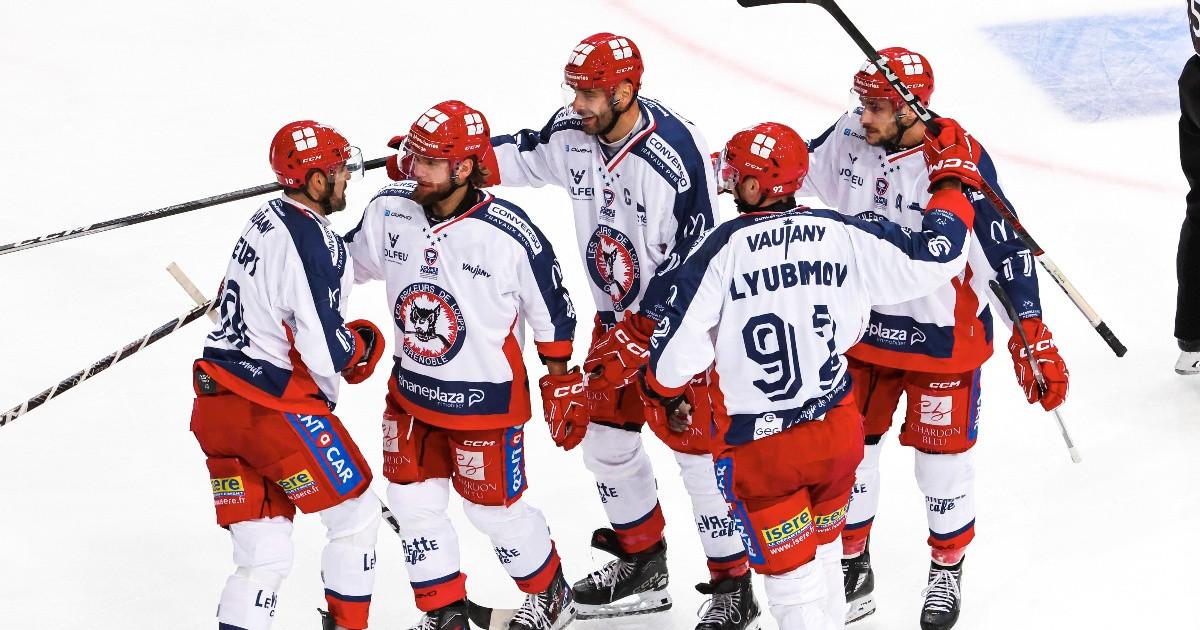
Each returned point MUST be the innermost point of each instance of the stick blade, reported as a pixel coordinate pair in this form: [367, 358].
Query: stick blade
[759, 3]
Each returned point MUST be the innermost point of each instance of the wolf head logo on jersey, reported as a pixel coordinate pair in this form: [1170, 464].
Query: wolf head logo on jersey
[432, 323]
[613, 266]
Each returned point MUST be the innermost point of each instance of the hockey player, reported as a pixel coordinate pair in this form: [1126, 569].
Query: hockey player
[463, 269]
[929, 349]
[267, 384]
[1187, 261]
[773, 300]
[641, 188]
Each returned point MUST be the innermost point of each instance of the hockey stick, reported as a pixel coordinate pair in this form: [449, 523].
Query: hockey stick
[1033, 365]
[927, 117]
[105, 363]
[159, 213]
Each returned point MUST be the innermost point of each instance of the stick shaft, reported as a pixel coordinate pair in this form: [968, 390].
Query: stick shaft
[158, 213]
[103, 364]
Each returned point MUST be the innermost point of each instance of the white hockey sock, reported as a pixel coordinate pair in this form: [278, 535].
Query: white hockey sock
[718, 533]
[948, 482]
[348, 560]
[624, 475]
[262, 551]
[829, 556]
[797, 599]
[864, 498]
[427, 536]
[519, 537]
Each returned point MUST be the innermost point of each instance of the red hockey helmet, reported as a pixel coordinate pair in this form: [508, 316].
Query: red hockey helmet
[772, 153]
[450, 130]
[912, 68]
[304, 145]
[603, 61]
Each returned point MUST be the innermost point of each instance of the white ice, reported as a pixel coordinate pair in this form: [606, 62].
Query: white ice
[109, 108]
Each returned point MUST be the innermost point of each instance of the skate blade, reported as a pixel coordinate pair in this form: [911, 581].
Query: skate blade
[860, 608]
[637, 604]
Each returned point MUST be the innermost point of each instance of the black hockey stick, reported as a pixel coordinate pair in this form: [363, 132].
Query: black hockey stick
[927, 117]
[105, 363]
[1033, 365]
[159, 213]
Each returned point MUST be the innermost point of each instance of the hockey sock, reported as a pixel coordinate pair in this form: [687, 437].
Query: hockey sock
[797, 599]
[262, 550]
[430, 543]
[948, 482]
[521, 540]
[718, 533]
[829, 556]
[348, 561]
[864, 502]
[625, 482]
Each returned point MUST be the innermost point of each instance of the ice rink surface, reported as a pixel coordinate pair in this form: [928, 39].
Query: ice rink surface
[109, 108]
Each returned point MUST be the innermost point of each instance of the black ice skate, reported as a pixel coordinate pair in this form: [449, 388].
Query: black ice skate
[859, 581]
[633, 584]
[732, 606]
[452, 617]
[327, 622]
[942, 598]
[551, 609]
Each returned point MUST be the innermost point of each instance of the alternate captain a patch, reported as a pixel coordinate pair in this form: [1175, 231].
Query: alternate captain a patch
[612, 264]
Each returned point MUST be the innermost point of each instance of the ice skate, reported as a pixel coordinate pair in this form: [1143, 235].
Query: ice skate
[633, 584]
[859, 581]
[451, 617]
[942, 597]
[731, 605]
[1188, 363]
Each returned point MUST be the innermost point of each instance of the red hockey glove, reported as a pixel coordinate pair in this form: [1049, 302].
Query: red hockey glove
[614, 359]
[371, 341]
[564, 403]
[952, 153]
[1045, 352]
[673, 412]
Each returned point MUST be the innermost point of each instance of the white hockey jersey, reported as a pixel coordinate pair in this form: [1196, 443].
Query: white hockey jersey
[777, 298]
[457, 291]
[282, 340]
[950, 329]
[634, 213]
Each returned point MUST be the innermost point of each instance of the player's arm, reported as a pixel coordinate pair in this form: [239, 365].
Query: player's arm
[822, 179]
[363, 243]
[327, 344]
[1015, 273]
[527, 158]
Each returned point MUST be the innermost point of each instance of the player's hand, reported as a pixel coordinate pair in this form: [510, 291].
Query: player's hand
[952, 153]
[614, 359]
[371, 341]
[673, 412]
[1045, 353]
[565, 405]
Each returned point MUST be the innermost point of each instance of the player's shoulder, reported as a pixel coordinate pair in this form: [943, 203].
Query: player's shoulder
[511, 220]
[847, 131]
[672, 147]
[396, 192]
[317, 245]
[563, 120]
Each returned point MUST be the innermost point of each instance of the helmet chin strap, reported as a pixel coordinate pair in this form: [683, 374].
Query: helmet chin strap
[325, 200]
[892, 145]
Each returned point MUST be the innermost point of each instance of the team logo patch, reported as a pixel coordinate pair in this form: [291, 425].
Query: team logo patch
[829, 522]
[433, 324]
[612, 263]
[789, 532]
[881, 188]
[936, 410]
[471, 464]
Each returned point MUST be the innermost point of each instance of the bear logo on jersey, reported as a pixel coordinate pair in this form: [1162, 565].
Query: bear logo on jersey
[432, 323]
[613, 266]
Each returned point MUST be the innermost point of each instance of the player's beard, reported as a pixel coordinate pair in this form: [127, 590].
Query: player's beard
[429, 194]
[334, 202]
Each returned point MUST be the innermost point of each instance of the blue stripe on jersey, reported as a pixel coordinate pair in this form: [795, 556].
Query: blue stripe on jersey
[512, 220]
[262, 374]
[1007, 254]
[459, 398]
[528, 139]
[347, 598]
[747, 427]
[323, 255]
